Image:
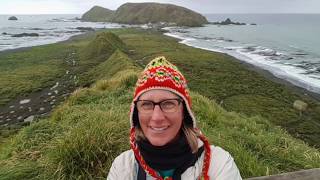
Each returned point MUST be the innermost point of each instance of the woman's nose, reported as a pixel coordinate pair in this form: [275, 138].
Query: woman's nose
[157, 113]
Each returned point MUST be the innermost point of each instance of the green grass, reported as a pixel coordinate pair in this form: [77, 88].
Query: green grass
[30, 70]
[222, 78]
[84, 135]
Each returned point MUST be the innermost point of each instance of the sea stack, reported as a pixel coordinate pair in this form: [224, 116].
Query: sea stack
[12, 18]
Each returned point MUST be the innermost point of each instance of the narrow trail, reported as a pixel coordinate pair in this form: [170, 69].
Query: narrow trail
[40, 103]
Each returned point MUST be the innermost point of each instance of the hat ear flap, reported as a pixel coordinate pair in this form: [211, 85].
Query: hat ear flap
[135, 117]
[187, 118]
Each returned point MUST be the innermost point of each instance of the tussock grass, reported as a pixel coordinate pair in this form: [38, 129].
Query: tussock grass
[118, 61]
[104, 44]
[19, 170]
[126, 78]
[89, 148]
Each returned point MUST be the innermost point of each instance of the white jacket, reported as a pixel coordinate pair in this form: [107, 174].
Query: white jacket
[222, 167]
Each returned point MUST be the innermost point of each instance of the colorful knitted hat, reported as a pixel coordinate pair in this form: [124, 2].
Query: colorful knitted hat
[161, 74]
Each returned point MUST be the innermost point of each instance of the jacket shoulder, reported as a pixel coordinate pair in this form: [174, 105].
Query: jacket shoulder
[222, 165]
[123, 167]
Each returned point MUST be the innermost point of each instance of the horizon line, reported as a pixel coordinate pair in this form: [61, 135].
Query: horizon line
[201, 13]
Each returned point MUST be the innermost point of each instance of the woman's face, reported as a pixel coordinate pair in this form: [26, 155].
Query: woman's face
[160, 127]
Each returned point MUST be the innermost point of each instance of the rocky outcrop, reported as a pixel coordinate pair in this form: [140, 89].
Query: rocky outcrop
[83, 29]
[228, 22]
[12, 18]
[144, 13]
[25, 35]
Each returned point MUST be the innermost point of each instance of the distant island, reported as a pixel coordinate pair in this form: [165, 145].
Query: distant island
[229, 22]
[144, 13]
[12, 18]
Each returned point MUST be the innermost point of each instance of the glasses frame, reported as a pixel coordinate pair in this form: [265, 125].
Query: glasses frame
[159, 104]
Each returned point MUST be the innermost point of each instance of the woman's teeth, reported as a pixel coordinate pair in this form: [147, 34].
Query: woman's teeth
[159, 128]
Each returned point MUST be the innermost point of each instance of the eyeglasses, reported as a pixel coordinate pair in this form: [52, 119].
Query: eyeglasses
[167, 105]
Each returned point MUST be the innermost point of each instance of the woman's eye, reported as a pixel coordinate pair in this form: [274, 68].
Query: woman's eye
[146, 105]
[168, 104]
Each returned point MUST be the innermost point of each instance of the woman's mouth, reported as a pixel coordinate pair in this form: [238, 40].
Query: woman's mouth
[159, 129]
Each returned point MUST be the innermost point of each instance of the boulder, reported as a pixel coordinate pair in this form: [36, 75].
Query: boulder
[26, 35]
[85, 28]
[227, 22]
[29, 119]
[300, 105]
[12, 18]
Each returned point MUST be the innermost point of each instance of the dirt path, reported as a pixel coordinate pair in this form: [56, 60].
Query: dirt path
[41, 103]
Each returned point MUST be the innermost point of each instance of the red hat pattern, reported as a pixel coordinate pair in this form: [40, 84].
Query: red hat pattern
[161, 74]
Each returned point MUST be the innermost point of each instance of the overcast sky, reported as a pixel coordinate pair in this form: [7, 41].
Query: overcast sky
[202, 6]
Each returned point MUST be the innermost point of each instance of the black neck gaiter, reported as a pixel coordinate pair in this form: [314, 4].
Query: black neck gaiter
[175, 155]
[169, 156]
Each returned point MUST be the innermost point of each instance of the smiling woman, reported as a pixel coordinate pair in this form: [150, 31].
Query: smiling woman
[165, 141]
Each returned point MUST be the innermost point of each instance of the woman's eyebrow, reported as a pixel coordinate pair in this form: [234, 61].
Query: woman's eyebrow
[158, 99]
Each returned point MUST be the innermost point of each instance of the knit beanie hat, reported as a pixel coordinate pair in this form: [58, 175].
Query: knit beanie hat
[161, 74]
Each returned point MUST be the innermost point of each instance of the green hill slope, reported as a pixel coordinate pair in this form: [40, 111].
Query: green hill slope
[98, 14]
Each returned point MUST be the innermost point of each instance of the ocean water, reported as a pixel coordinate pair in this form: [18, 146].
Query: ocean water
[51, 29]
[287, 45]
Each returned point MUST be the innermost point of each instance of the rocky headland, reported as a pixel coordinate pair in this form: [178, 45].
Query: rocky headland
[144, 13]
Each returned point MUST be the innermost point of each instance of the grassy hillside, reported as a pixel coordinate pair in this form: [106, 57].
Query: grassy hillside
[98, 14]
[32, 69]
[19, 70]
[90, 129]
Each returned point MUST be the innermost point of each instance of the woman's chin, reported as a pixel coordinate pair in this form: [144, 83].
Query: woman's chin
[158, 142]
